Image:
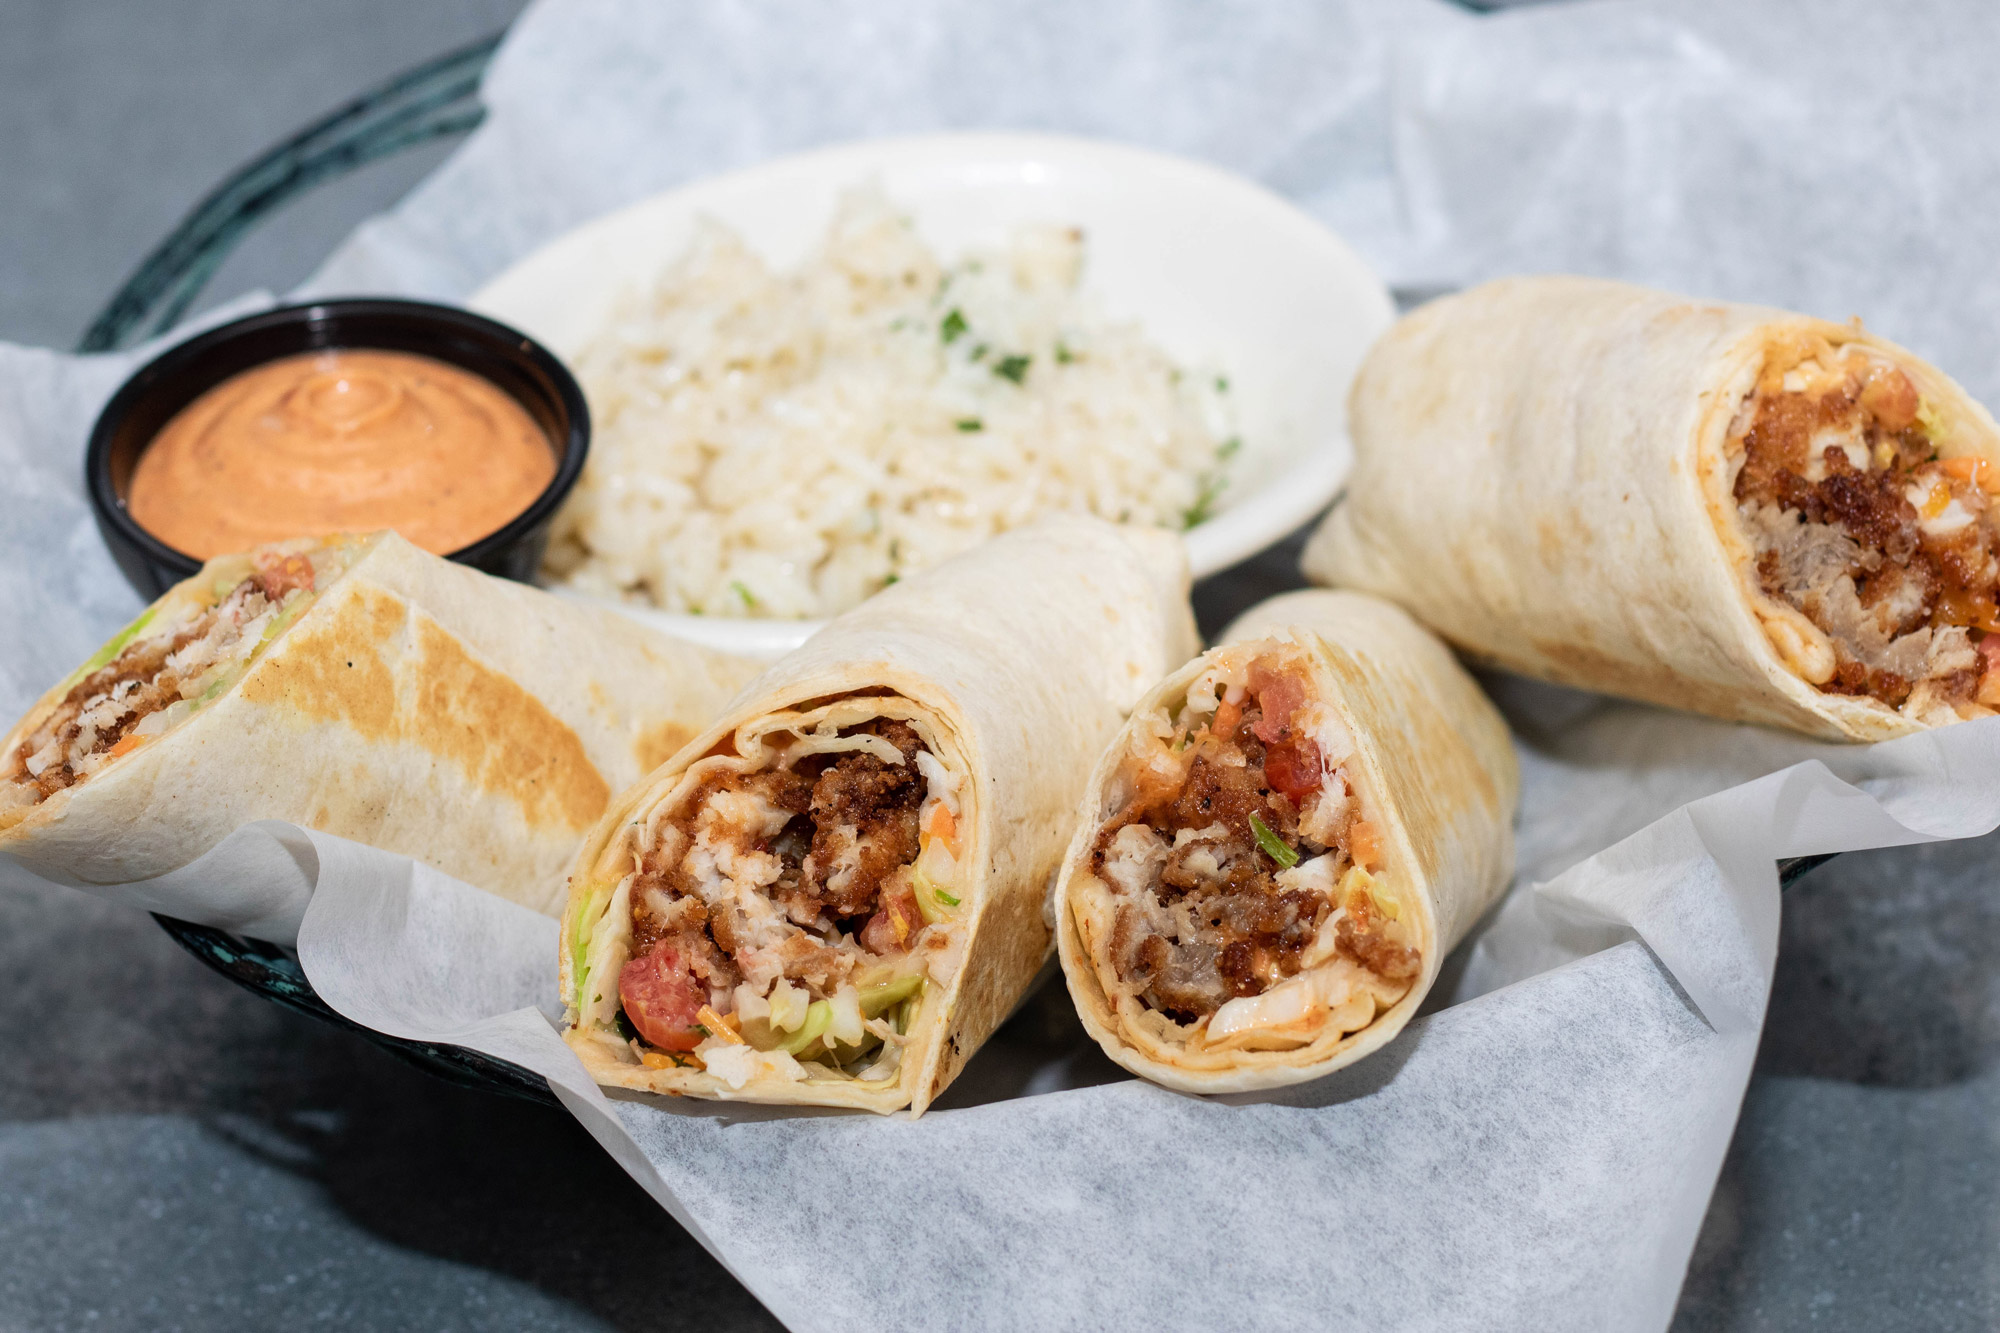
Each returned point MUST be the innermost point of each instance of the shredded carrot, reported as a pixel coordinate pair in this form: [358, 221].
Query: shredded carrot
[1364, 844]
[944, 827]
[127, 745]
[1934, 504]
[654, 1060]
[1227, 716]
[717, 1025]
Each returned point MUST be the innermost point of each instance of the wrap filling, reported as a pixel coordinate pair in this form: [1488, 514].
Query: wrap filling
[782, 911]
[176, 657]
[1885, 549]
[1252, 907]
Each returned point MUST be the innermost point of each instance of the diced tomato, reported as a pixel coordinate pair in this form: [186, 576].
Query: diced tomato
[1280, 695]
[276, 577]
[1891, 396]
[1293, 767]
[1989, 653]
[1988, 692]
[1291, 760]
[663, 999]
[889, 930]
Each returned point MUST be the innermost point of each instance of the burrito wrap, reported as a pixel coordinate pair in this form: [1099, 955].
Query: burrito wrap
[1431, 768]
[409, 703]
[1541, 477]
[1012, 664]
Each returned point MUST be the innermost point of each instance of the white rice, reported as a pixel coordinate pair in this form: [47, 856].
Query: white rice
[786, 444]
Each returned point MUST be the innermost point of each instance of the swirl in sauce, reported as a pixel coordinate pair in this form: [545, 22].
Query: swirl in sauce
[347, 440]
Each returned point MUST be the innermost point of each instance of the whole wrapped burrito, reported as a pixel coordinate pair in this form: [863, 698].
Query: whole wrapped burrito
[1282, 845]
[835, 894]
[359, 686]
[1716, 507]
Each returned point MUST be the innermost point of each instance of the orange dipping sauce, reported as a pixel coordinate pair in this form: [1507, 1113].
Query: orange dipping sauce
[346, 440]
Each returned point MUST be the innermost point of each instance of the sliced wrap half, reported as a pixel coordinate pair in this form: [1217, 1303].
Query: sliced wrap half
[1282, 845]
[359, 686]
[836, 893]
[1723, 508]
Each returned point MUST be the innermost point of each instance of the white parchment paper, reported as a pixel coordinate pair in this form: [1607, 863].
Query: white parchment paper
[1538, 1150]
[1539, 1154]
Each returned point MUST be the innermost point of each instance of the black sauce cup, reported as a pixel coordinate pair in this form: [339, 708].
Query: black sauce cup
[510, 360]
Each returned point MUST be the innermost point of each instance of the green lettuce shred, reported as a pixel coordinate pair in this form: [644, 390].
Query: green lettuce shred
[104, 656]
[1273, 845]
[875, 999]
[580, 949]
[819, 1017]
[284, 619]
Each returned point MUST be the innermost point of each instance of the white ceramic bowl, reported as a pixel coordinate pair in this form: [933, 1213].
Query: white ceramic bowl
[1218, 271]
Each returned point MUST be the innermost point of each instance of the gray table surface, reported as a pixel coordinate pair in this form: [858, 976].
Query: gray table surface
[175, 1154]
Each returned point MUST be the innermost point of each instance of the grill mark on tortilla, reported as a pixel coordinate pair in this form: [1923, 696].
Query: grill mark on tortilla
[390, 672]
[659, 743]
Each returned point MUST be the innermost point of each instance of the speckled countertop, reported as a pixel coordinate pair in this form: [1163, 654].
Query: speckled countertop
[175, 1154]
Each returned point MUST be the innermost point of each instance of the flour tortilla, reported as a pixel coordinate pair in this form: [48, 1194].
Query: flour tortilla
[1437, 776]
[418, 706]
[1540, 477]
[1015, 662]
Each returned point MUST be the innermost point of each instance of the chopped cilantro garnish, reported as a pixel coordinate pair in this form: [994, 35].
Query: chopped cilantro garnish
[1273, 845]
[945, 898]
[1013, 368]
[893, 578]
[1227, 449]
[970, 424]
[706, 1033]
[979, 352]
[1205, 497]
[1222, 384]
[737, 586]
[1063, 355]
[953, 326]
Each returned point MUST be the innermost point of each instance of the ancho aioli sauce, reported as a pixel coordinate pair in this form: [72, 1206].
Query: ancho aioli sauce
[341, 441]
